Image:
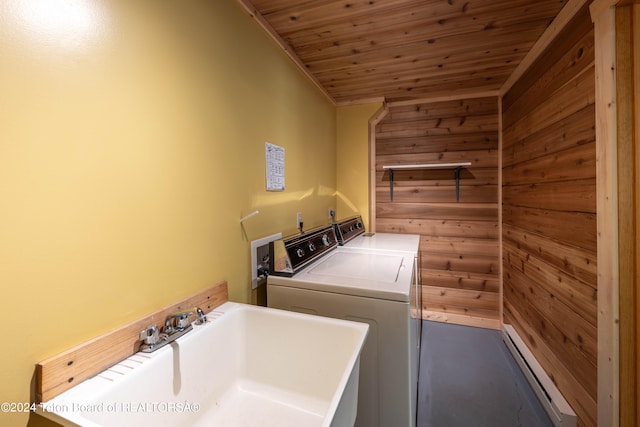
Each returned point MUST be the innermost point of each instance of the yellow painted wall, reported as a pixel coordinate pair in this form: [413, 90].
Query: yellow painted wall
[353, 159]
[131, 142]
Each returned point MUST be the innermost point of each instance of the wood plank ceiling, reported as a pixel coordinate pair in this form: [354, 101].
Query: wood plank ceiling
[359, 50]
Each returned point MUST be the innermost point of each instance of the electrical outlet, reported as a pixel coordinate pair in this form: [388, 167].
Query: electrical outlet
[299, 220]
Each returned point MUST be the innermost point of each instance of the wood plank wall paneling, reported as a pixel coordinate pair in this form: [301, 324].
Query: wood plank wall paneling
[549, 214]
[460, 259]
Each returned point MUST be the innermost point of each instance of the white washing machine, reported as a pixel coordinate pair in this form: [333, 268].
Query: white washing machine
[312, 274]
[352, 236]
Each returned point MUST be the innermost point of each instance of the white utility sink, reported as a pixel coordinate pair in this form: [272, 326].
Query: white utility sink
[247, 366]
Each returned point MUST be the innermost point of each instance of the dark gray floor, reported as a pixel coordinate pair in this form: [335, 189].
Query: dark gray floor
[468, 378]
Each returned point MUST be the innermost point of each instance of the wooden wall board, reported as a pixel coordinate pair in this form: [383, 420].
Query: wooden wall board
[462, 319]
[462, 302]
[460, 259]
[565, 292]
[460, 245]
[581, 401]
[439, 194]
[629, 404]
[569, 196]
[555, 225]
[575, 130]
[569, 99]
[438, 143]
[440, 177]
[462, 263]
[566, 53]
[573, 163]
[603, 17]
[438, 126]
[428, 110]
[451, 211]
[69, 368]
[571, 334]
[576, 357]
[628, 153]
[462, 298]
[550, 211]
[558, 75]
[468, 281]
[573, 260]
[433, 227]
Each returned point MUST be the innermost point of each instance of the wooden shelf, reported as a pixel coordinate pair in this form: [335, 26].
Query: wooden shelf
[429, 166]
[455, 166]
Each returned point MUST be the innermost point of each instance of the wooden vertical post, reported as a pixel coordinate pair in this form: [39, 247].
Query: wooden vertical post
[636, 279]
[603, 16]
[627, 133]
[626, 201]
[500, 236]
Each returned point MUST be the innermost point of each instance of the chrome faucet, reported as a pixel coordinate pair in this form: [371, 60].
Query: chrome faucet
[175, 325]
[151, 335]
[177, 322]
[152, 339]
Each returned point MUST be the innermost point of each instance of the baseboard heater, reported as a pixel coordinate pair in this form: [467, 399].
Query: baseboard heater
[550, 397]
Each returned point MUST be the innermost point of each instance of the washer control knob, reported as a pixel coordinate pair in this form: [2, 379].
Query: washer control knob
[326, 240]
[299, 252]
[312, 247]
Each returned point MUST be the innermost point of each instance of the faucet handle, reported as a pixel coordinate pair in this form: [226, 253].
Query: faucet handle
[150, 335]
[182, 320]
[177, 322]
[200, 316]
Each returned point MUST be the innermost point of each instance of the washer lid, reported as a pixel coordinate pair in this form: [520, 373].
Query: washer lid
[370, 274]
[385, 241]
[359, 266]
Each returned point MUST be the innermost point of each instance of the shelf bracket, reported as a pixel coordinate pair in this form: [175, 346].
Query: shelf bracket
[456, 173]
[391, 183]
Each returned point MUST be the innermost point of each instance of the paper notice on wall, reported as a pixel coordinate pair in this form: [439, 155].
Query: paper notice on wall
[275, 167]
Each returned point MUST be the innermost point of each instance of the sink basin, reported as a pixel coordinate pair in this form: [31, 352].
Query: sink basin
[247, 366]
